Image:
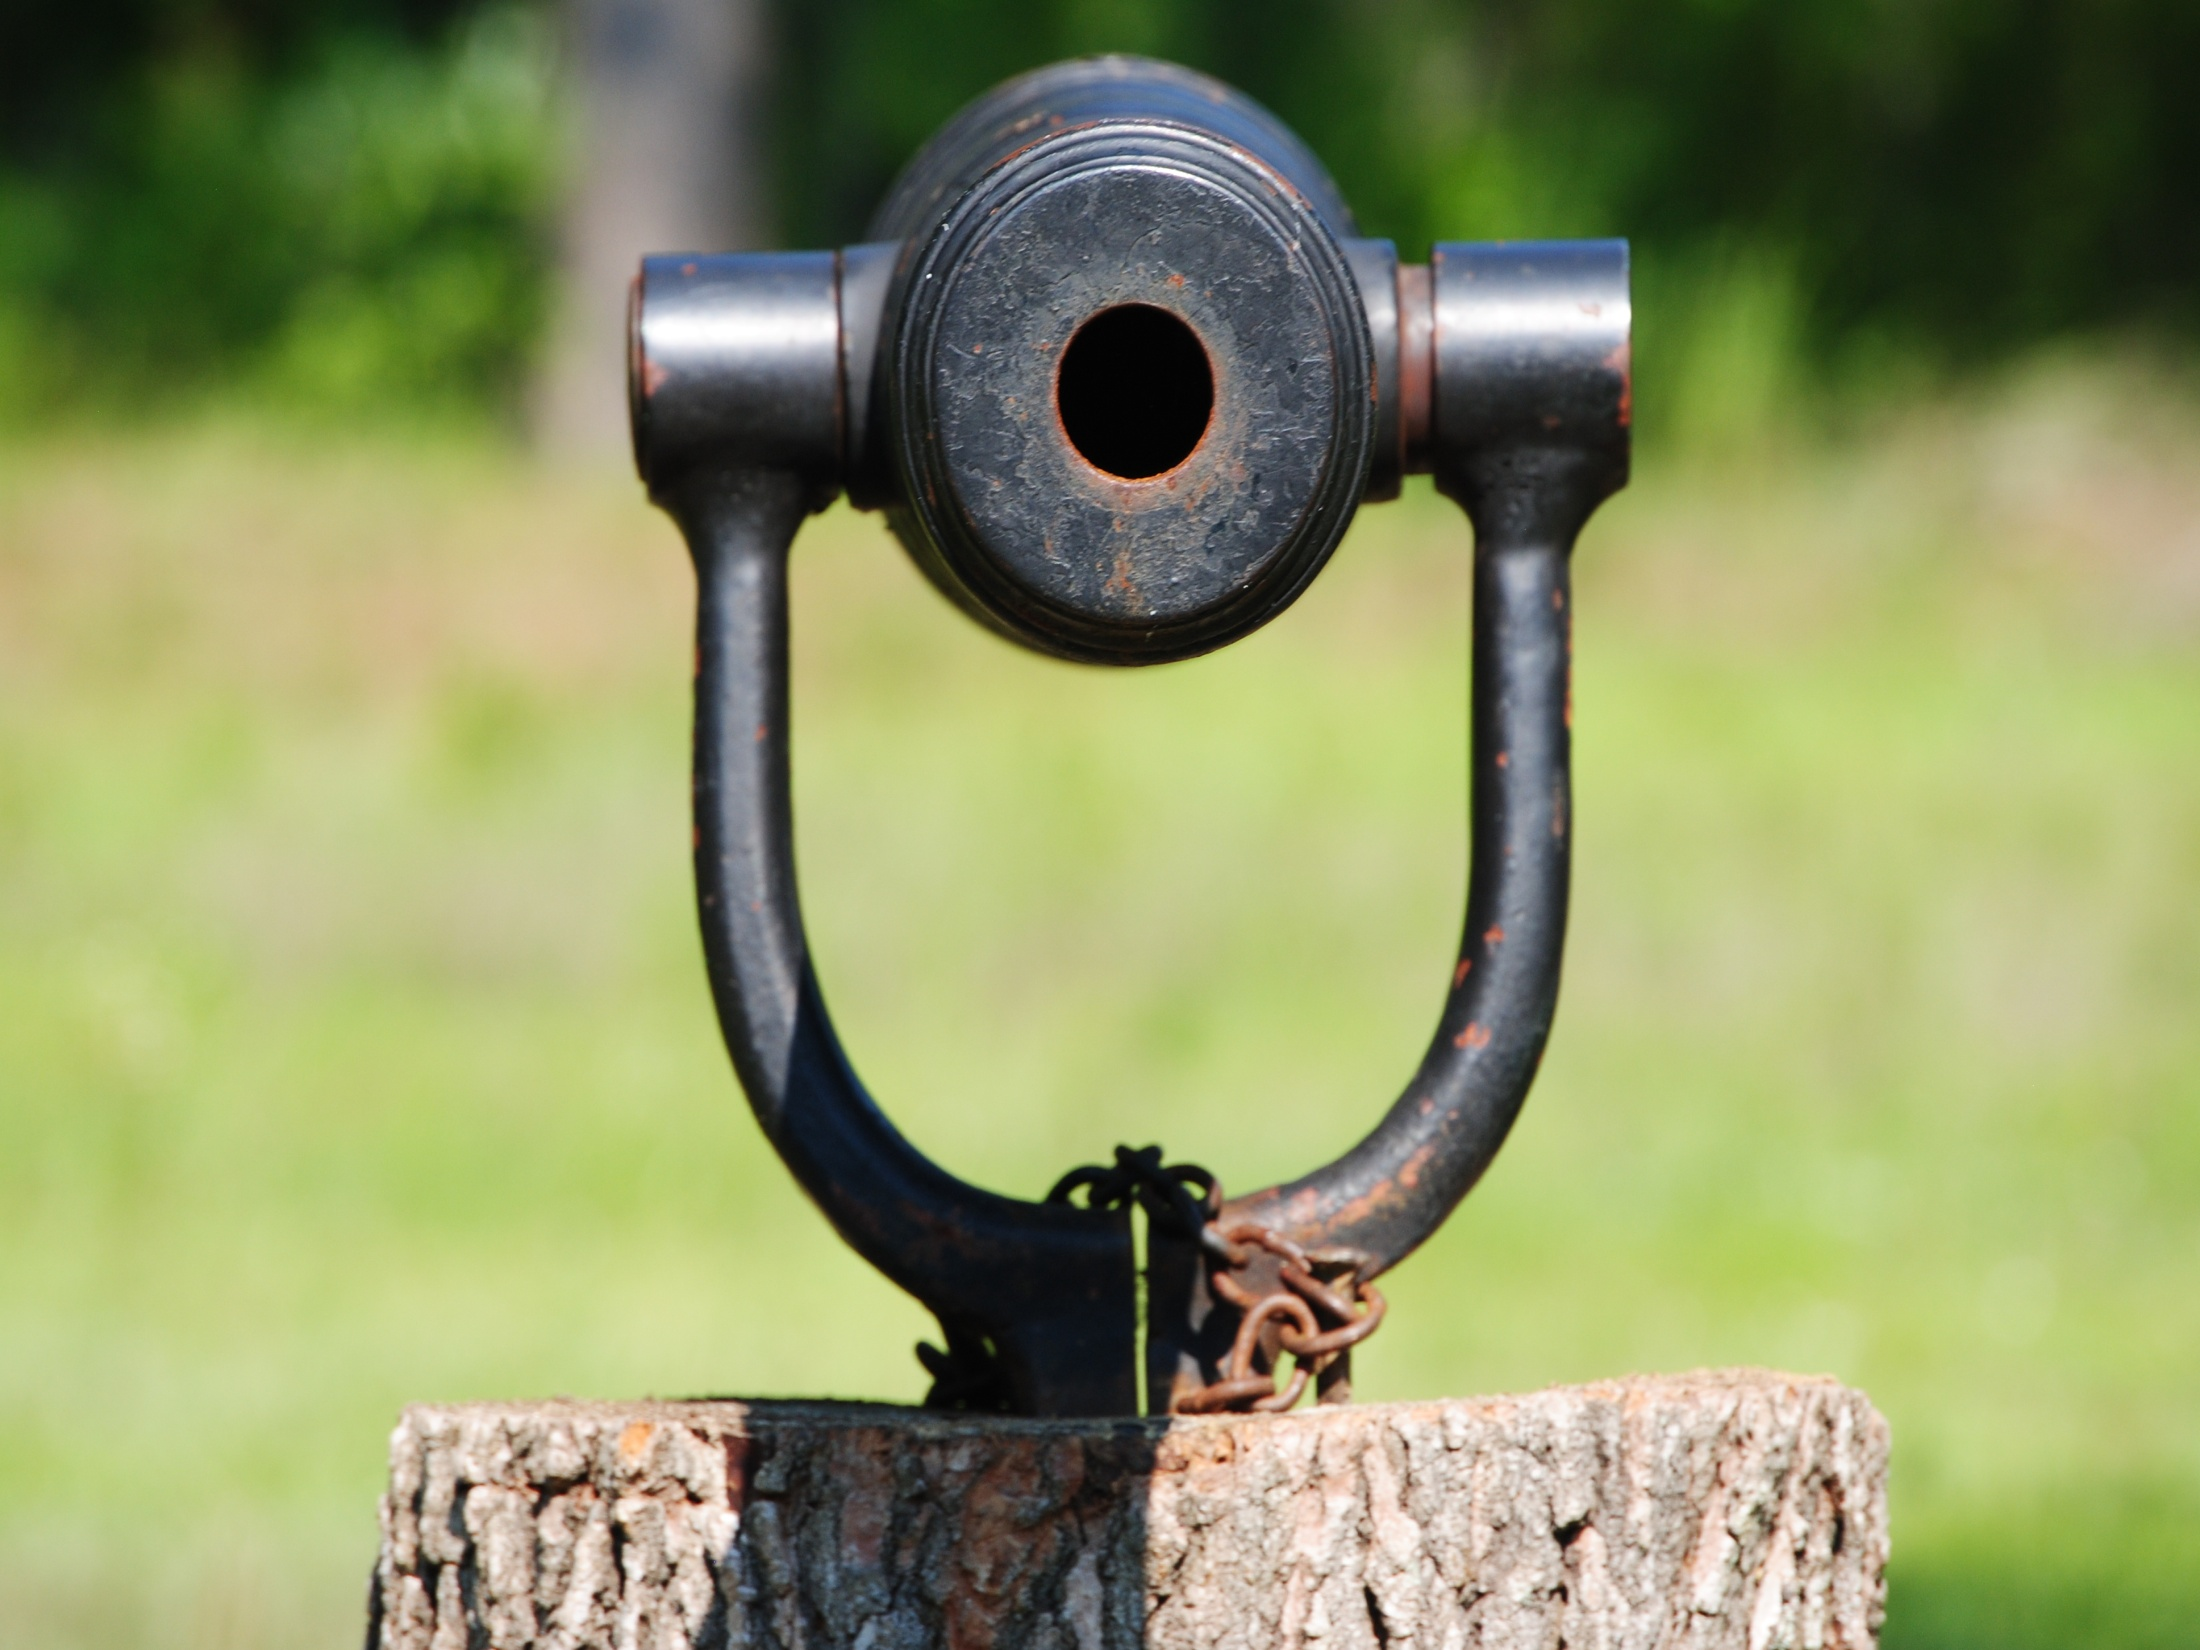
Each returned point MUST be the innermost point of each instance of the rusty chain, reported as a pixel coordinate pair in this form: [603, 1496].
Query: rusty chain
[1304, 1300]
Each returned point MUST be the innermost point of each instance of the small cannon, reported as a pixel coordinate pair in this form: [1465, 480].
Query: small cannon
[1119, 371]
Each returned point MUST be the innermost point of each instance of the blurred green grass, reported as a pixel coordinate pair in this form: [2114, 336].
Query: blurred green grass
[356, 1048]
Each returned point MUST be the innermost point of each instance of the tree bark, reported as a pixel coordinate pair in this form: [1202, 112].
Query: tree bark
[1734, 1508]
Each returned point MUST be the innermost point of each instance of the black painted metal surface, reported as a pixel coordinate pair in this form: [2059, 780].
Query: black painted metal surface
[1012, 369]
[1033, 536]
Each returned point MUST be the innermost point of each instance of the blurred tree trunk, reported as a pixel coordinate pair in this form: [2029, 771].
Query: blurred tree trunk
[666, 101]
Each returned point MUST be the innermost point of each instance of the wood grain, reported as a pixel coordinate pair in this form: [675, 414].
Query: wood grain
[1727, 1508]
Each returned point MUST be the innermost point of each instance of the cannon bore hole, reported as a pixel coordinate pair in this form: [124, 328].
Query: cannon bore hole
[1135, 391]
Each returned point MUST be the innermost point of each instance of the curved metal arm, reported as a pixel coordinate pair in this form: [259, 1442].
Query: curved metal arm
[1528, 367]
[1051, 1287]
[1530, 374]
[1375, 1204]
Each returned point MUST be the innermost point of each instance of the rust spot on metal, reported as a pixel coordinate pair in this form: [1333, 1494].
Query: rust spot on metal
[1363, 1207]
[1409, 1175]
[654, 377]
[1120, 580]
[1475, 1036]
[1416, 366]
[1304, 1209]
[1493, 936]
[1622, 361]
[1459, 974]
[763, 732]
[1504, 759]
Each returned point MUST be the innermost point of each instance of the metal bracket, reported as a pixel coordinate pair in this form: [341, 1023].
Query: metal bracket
[764, 384]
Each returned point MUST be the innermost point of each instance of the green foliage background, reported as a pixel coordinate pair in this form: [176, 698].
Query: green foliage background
[347, 203]
[329, 206]
[1969, 172]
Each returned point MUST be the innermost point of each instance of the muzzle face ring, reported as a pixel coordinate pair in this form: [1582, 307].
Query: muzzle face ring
[1179, 498]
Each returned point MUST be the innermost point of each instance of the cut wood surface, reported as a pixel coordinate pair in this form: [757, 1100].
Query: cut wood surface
[1729, 1508]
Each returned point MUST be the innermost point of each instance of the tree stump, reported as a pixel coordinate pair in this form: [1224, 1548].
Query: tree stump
[1733, 1508]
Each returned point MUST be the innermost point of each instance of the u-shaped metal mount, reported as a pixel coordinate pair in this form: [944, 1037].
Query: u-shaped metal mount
[1527, 428]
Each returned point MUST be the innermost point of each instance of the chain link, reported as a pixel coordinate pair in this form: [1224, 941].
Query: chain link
[1321, 1321]
[1302, 1302]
